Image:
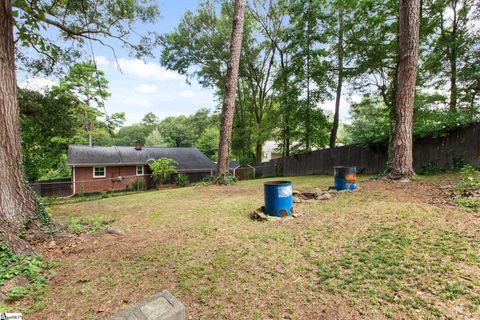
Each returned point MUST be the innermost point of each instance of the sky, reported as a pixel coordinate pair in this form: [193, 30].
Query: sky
[140, 86]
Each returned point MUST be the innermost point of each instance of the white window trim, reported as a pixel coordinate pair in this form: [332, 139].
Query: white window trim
[143, 170]
[104, 172]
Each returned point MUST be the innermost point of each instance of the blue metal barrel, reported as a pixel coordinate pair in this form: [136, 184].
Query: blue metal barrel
[345, 178]
[278, 198]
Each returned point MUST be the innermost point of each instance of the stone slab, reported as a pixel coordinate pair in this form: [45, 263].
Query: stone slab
[162, 306]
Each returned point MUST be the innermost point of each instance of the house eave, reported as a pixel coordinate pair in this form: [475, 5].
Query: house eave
[105, 164]
[79, 165]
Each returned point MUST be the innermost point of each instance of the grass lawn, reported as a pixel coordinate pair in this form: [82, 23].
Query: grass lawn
[386, 251]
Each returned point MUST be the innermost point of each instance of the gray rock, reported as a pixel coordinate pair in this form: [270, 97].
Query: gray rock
[162, 306]
[62, 236]
[115, 230]
[324, 196]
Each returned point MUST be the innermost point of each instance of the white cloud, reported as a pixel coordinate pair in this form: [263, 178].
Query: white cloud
[102, 61]
[38, 84]
[147, 70]
[138, 102]
[187, 93]
[146, 88]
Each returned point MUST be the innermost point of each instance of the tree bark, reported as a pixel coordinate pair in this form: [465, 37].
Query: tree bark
[333, 134]
[18, 206]
[408, 46]
[228, 108]
[258, 152]
[453, 61]
[307, 110]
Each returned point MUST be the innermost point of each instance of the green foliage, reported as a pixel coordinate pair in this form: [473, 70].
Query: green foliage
[33, 268]
[181, 180]
[226, 179]
[205, 33]
[65, 114]
[208, 142]
[470, 180]
[53, 33]
[139, 184]
[48, 123]
[155, 139]
[127, 135]
[88, 224]
[453, 53]
[162, 169]
[468, 188]
[371, 120]
[181, 131]
[471, 203]
[430, 169]
[62, 170]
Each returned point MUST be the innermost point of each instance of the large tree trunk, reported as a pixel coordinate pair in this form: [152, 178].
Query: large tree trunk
[286, 108]
[228, 108]
[258, 152]
[333, 134]
[453, 62]
[409, 26]
[17, 205]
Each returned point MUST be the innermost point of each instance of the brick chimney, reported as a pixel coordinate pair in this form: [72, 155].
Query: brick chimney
[138, 145]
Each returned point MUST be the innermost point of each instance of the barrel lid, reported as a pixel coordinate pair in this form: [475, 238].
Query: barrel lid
[277, 183]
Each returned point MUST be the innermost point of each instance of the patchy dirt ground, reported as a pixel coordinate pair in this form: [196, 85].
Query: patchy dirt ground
[390, 250]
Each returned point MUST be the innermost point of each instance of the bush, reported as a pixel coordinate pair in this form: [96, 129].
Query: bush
[429, 169]
[139, 184]
[162, 169]
[208, 179]
[457, 163]
[182, 180]
[226, 179]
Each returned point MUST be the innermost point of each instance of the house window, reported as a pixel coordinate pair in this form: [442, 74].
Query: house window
[140, 171]
[99, 172]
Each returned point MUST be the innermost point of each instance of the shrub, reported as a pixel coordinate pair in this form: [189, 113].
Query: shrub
[429, 169]
[457, 162]
[226, 179]
[182, 180]
[162, 169]
[208, 179]
[139, 184]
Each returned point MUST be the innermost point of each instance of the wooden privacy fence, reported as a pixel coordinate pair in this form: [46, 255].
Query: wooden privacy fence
[461, 145]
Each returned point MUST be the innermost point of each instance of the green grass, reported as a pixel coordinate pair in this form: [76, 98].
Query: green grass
[375, 253]
[90, 223]
[391, 265]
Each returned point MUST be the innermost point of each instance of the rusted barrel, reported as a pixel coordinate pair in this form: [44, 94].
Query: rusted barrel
[345, 178]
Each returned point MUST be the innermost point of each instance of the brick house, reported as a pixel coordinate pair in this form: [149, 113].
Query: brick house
[97, 169]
